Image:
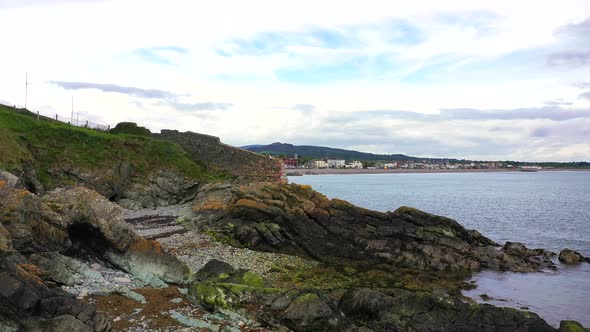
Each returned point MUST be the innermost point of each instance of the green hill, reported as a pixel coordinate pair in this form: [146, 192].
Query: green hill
[47, 144]
[309, 151]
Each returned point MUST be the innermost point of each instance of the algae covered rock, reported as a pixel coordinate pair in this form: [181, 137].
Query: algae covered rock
[401, 310]
[571, 326]
[568, 256]
[219, 285]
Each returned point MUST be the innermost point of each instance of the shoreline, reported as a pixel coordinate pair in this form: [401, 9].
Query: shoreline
[336, 171]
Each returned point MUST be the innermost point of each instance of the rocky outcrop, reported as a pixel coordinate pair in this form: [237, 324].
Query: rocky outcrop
[119, 184]
[221, 286]
[245, 166]
[568, 256]
[31, 302]
[162, 189]
[401, 310]
[41, 242]
[294, 219]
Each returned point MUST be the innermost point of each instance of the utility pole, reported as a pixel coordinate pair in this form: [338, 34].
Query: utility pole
[72, 116]
[26, 87]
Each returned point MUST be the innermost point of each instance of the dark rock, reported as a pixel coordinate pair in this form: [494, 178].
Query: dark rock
[214, 269]
[162, 189]
[306, 310]
[33, 303]
[568, 256]
[294, 219]
[515, 248]
[401, 310]
[61, 323]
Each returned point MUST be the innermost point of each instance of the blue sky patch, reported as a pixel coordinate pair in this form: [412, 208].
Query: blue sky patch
[157, 55]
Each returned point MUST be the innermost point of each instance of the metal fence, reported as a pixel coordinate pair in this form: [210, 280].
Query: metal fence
[76, 121]
[82, 123]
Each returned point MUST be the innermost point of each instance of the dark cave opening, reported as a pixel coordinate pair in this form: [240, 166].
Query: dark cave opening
[87, 239]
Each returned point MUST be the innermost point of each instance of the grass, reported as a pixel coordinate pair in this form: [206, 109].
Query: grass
[47, 143]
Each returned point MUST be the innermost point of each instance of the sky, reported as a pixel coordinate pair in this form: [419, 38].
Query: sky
[485, 80]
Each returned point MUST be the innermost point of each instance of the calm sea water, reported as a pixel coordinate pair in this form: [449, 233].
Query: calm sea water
[543, 210]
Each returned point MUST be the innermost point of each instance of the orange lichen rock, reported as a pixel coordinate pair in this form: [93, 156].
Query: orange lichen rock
[212, 205]
[251, 204]
[146, 246]
[30, 272]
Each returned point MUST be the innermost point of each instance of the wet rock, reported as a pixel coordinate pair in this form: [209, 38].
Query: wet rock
[515, 248]
[568, 256]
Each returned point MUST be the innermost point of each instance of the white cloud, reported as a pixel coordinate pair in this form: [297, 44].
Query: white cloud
[479, 55]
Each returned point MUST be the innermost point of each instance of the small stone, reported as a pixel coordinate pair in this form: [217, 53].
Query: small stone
[241, 324]
[176, 300]
[96, 266]
[118, 318]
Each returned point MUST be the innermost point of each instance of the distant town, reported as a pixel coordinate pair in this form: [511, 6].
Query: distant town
[300, 163]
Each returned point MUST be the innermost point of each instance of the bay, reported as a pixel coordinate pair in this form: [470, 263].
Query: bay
[549, 209]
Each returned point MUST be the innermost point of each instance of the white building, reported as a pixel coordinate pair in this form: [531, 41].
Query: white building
[390, 165]
[319, 164]
[355, 164]
[336, 163]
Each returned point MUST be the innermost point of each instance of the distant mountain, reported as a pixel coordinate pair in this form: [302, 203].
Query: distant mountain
[311, 151]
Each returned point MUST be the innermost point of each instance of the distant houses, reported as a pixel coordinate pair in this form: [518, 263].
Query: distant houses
[317, 164]
[336, 163]
[295, 162]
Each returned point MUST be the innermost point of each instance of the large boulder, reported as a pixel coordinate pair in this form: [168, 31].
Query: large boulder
[295, 219]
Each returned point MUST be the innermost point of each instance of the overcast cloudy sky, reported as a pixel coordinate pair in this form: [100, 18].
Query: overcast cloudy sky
[471, 79]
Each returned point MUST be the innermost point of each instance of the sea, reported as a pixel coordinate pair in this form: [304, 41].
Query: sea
[547, 209]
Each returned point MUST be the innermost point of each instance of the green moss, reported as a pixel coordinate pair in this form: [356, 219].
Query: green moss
[571, 326]
[212, 296]
[252, 279]
[240, 289]
[333, 277]
[224, 238]
[305, 299]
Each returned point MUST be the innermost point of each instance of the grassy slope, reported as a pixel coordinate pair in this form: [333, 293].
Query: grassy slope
[47, 143]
